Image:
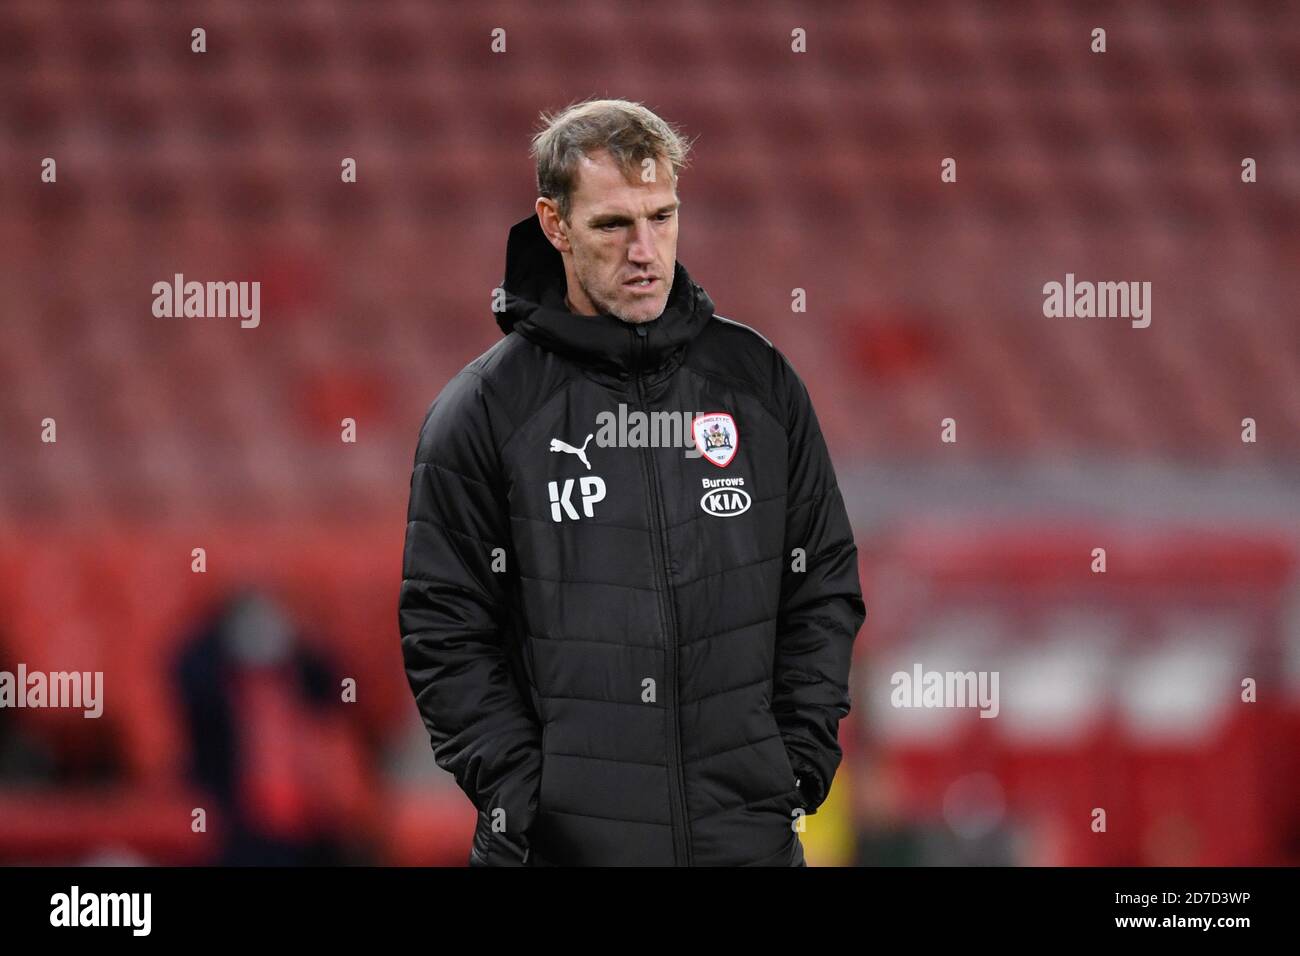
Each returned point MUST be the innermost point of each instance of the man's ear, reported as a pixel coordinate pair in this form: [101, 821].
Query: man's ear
[555, 228]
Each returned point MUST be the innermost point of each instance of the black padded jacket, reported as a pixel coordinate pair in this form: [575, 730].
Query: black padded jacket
[631, 654]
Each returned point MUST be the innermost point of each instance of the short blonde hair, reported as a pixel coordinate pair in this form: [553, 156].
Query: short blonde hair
[630, 132]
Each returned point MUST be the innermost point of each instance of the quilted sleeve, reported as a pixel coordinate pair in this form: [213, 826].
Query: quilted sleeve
[821, 605]
[452, 614]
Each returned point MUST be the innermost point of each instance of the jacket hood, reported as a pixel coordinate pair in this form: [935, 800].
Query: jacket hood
[534, 307]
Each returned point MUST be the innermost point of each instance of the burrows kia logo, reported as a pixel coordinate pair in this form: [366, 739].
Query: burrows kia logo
[724, 497]
[717, 437]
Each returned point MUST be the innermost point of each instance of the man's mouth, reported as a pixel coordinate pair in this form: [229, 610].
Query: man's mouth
[644, 282]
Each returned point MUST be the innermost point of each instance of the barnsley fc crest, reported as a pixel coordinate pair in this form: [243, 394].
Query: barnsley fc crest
[716, 437]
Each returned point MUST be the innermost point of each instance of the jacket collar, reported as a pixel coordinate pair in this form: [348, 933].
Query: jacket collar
[534, 308]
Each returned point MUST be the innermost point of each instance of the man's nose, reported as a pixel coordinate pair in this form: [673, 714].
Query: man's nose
[642, 248]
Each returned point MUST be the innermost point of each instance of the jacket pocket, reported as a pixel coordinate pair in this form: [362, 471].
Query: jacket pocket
[795, 798]
[789, 767]
[533, 689]
[786, 767]
[541, 778]
[530, 836]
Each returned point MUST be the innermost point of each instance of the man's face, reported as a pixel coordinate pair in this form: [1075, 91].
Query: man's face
[617, 231]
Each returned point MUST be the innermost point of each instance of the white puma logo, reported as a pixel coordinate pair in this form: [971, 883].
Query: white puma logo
[557, 445]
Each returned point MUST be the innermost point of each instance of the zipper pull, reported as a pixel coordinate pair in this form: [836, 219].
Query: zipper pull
[641, 334]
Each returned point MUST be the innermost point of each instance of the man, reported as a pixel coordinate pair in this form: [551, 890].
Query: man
[626, 653]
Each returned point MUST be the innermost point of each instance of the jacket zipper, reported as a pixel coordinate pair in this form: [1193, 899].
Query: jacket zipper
[667, 610]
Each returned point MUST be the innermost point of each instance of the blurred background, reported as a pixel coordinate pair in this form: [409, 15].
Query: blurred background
[816, 170]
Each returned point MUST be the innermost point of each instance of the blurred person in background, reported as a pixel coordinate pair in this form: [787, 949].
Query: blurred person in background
[631, 656]
[265, 741]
